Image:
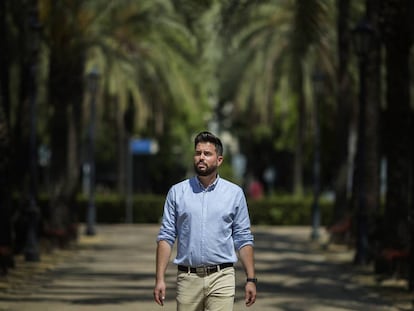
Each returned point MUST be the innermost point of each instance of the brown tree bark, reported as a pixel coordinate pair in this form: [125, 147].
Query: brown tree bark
[343, 114]
[397, 39]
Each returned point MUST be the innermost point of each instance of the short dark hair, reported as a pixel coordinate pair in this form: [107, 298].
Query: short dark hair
[207, 137]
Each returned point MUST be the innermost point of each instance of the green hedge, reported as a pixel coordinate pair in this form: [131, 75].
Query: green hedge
[287, 210]
[112, 209]
[283, 210]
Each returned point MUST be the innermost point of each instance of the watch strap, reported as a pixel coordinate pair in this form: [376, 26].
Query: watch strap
[253, 280]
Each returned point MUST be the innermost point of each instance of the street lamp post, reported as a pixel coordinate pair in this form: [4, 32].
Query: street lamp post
[93, 78]
[317, 80]
[363, 36]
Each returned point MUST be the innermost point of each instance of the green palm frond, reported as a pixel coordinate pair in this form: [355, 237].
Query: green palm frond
[274, 33]
[155, 53]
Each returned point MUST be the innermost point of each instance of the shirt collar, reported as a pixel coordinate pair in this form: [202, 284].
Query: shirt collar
[210, 187]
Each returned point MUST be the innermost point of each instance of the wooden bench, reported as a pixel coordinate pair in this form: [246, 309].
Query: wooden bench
[61, 237]
[340, 232]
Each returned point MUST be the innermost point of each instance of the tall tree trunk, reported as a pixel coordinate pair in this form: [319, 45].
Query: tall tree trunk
[24, 157]
[372, 131]
[300, 133]
[66, 66]
[368, 151]
[5, 219]
[122, 146]
[411, 216]
[65, 97]
[397, 127]
[21, 124]
[59, 125]
[5, 199]
[343, 113]
[4, 62]
[6, 245]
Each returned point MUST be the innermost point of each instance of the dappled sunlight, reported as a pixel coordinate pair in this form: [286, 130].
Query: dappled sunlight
[118, 269]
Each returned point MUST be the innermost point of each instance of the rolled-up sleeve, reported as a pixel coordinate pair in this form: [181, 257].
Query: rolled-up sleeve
[242, 235]
[168, 231]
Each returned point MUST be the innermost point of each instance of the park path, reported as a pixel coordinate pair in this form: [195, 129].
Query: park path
[114, 270]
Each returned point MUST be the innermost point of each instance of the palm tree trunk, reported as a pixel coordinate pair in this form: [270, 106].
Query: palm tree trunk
[397, 127]
[372, 130]
[343, 113]
[65, 97]
[411, 215]
[122, 146]
[300, 135]
[6, 253]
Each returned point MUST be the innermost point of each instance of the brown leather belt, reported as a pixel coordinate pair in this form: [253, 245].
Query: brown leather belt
[205, 269]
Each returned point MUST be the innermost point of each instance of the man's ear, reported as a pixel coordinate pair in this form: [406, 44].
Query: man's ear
[220, 160]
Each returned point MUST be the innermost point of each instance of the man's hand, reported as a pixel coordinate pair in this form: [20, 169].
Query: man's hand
[162, 258]
[250, 295]
[159, 292]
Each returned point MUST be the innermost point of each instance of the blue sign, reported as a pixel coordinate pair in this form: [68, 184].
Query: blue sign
[143, 146]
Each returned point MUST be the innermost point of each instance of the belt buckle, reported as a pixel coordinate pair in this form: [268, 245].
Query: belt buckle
[201, 270]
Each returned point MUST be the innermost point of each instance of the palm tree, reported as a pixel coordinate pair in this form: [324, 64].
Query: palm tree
[142, 50]
[277, 42]
[64, 35]
[148, 59]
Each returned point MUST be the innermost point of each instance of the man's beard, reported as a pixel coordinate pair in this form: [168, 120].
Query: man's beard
[205, 172]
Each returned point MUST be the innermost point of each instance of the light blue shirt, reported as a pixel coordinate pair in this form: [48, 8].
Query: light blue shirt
[209, 224]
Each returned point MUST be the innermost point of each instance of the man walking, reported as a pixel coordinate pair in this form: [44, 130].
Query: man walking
[208, 217]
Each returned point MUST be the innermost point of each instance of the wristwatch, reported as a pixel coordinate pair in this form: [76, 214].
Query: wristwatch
[253, 280]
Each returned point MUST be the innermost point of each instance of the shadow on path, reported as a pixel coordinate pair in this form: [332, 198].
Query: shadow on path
[116, 271]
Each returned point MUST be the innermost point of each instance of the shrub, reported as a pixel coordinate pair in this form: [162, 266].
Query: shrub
[286, 210]
[278, 210]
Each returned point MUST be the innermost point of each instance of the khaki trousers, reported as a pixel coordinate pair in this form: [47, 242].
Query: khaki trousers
[214, 292]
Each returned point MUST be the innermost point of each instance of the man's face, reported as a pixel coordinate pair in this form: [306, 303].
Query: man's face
[206, 160]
